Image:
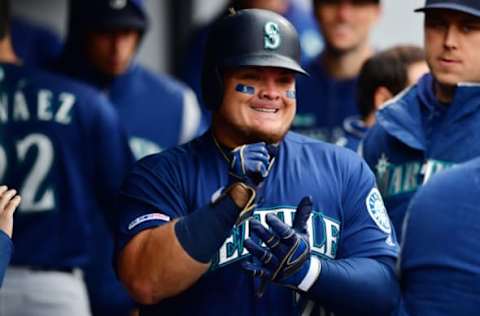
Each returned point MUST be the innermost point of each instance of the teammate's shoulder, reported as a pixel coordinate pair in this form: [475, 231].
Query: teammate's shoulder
[165, 82]
[178, 155]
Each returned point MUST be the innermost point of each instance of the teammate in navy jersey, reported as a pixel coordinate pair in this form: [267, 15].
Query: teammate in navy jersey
[182, 237]
[63, 148]
[9, 201]
[440, 266]
[329, 96]
[158, 111]
[382, 76]
[434, 124]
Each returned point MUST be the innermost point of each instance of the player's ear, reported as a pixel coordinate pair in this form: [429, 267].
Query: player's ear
[380, 96]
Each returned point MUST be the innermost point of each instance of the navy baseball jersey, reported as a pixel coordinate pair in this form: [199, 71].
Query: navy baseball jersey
[416, 137]
[6, 248]
[354, 130]
[323, 103]
[440, 265]
[63, 149]
[349, 219]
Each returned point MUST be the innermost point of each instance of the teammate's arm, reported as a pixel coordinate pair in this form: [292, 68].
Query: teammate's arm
[164, 261]
[8, 203]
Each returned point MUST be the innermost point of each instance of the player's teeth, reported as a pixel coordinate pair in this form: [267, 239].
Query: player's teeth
[266, 110]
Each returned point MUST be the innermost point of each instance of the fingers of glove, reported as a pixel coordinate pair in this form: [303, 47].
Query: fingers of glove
[267, 259]
[256, 270]
[304, 210]
[265, 235]
[279, 228]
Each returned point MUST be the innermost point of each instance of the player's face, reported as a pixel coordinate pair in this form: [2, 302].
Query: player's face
[346, 24]
[258, 105]
[452, 43]
[279, 6]
[415, 71]
[111, 51]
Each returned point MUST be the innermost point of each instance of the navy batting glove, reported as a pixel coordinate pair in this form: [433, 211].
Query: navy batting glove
[249, 163]
[286, 259]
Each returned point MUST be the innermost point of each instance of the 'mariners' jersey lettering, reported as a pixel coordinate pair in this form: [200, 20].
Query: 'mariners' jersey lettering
[395, 179]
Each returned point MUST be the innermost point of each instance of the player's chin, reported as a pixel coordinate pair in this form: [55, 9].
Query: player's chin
[268, 135]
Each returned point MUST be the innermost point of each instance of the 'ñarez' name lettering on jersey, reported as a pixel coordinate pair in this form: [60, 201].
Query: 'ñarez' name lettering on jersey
[349, 218]
[416, 137]
[63, 148]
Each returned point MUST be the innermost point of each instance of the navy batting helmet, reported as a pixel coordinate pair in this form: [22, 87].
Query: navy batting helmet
[250, 37]
[467, 6]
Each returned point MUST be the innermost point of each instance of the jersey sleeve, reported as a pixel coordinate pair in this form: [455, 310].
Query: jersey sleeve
[367, 230]
[111, 156]
[150, 196]
[6, 248]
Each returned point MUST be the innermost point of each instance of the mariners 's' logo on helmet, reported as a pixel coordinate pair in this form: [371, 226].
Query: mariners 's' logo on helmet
[271, 38]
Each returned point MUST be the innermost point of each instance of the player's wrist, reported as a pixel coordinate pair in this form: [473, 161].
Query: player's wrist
[244, 198]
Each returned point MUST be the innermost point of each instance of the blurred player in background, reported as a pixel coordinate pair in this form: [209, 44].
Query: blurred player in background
[382, 76]
[158, 111]
[62, 146]
[440, 266]
[329, 96]
[183, 246]
[433, 125]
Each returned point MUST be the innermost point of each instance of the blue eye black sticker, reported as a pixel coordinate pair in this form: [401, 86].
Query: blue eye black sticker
[291, 94]
[245, 89]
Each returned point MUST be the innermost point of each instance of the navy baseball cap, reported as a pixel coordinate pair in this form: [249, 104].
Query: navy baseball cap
[466, 6]
[109, 14]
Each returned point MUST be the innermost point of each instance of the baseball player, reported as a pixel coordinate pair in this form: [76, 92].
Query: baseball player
[9, 201]
[62, 146]
[185, 246]
[440, 266]
[293, 10]
[158, 111]
[329, 96]
[382, 76]
[433, 125]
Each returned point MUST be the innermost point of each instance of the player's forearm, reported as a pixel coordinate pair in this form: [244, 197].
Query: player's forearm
[154, 266]
[165, 261]
[358, 286]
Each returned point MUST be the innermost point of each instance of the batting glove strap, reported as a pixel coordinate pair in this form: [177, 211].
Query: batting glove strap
[246, 211]
[312, 274]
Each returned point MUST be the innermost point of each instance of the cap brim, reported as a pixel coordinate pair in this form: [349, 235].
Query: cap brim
[449, 6]
[265, 61]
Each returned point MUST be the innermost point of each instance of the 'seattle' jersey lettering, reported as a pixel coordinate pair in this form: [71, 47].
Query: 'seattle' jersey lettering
[323, 232]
